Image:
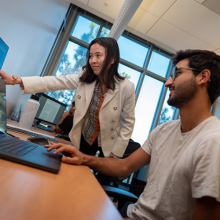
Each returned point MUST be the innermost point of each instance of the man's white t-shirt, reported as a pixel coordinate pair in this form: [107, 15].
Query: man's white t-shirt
[183, 167]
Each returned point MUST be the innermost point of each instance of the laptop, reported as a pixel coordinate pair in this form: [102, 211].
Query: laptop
[19, 151]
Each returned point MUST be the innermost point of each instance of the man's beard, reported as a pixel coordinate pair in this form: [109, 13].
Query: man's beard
[183, 93]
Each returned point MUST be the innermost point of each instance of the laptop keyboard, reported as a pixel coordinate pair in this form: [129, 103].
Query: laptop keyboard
[45, 128]
[31, 133]
[16, 146]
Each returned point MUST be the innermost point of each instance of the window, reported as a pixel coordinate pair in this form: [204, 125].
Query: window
[167, 111]
[158, 64]
[71, 62]
[129, 73]
[89, 30]
[105, 32]
[145, 108]
[132, 51]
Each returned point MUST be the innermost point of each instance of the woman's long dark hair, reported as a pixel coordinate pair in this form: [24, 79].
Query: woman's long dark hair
[108, 75]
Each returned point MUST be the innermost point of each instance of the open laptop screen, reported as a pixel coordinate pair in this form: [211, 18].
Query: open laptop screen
[2, 108]
[3, 52]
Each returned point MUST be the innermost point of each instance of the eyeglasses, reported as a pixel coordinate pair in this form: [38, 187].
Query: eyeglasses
[176, 71]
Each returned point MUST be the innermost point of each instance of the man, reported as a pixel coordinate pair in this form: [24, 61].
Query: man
[184, 155]
[66, 122]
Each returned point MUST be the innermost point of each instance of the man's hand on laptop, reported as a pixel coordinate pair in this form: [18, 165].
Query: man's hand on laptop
[10, 80]
[71, 154]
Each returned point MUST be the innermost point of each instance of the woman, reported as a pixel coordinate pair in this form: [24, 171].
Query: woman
[104, 115]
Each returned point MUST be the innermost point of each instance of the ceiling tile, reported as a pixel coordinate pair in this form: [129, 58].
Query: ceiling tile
[217, 51]
[112, 9]
[159, 7]
[213, 5]
[196, 20]
[146, 4]
[142, 21]
[199, 1]
[84, 1]
[176, 38]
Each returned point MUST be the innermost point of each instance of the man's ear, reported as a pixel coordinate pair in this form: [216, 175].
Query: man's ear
[204, 76]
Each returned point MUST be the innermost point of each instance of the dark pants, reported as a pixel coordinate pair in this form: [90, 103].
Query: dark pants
[123, 211]
[91, 150]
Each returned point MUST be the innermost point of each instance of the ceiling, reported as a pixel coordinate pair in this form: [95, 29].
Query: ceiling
[170, 24]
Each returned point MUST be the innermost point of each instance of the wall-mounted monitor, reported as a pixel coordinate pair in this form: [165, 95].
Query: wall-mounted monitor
[3, 52]
[50, 110]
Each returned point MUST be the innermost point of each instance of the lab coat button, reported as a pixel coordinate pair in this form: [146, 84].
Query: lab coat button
[115, 108]
[113, 138]
[79, 96]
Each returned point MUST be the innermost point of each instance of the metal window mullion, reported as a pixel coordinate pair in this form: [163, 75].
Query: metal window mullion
[162, 94]
[54, 48]
[141, 80]
[100, 29]
[62, 44]
[131, 65]
[158, 108]
[139, 86]
[78, 41]
[161, 100]
[175, 114]
[155, 76]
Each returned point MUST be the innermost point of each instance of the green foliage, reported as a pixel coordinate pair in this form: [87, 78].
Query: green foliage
[163, 118]
[104, 32]
[125, 75]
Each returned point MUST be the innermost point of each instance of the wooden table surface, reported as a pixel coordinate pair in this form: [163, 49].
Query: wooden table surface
[28, 193]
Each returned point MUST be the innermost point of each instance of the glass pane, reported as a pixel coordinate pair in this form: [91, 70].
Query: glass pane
[145, 108]
[71, 62]
[105, 32]
[132, 51]
[158, 64]
[129, 73]
[167, 111]
[85, 29]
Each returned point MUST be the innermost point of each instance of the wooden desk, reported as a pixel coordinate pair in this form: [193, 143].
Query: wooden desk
[27, 193]
[25, 136]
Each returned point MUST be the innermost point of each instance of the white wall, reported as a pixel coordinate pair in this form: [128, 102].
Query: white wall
[29, 28]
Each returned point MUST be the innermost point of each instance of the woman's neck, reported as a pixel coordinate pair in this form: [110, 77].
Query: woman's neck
[103, 87]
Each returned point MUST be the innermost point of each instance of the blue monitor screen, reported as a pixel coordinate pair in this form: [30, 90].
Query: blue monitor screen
[3, 52]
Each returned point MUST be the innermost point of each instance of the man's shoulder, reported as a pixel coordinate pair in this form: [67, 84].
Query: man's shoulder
[210, 126]
[169, 124]
[166, 128]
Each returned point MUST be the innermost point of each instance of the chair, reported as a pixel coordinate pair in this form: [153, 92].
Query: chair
[122, 195]
[63, 136]
[131, 148]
